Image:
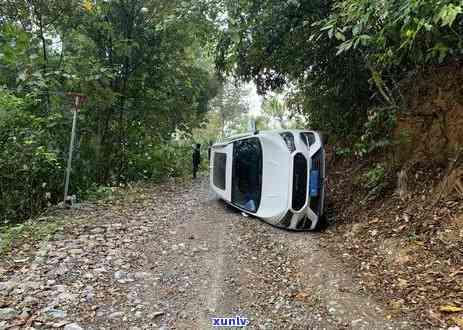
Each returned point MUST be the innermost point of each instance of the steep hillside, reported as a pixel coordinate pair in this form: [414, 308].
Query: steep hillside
[406, 245]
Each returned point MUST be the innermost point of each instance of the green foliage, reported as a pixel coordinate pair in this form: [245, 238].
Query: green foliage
[269, 42]
[374, 181]
[412, 236]
[95, 193]
[167, 159]
[340, 58]
[30, 171]
[398, 32]
[344, 152]
[377, 131]
[14, 235]
[146, 70]
[394, 37]
[230, 107]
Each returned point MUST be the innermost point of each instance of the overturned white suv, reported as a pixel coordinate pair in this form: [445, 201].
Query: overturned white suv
[277, 176]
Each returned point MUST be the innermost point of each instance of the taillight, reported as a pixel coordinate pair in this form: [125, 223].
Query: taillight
[308, 138]
[289, 140]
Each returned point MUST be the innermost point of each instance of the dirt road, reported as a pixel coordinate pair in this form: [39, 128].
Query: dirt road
[171, 258]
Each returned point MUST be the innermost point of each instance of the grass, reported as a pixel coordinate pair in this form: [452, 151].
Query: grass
[12, 236]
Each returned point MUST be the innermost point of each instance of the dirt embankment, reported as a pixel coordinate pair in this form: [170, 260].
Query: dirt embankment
[431, 128]
[406, 242]
[408, 248]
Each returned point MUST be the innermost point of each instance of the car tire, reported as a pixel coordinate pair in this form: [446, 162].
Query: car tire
[322, 223]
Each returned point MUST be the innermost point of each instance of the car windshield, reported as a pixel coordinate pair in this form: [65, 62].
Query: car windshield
[247, 174]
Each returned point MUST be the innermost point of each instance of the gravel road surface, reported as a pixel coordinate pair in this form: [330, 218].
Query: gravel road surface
[172, 257]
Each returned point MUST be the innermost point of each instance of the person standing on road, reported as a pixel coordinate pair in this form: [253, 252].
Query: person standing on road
[196, 159]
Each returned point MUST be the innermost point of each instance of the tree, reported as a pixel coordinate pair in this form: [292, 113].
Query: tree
[231, 106]
[275, 110]
[145, 66]
[269, 42]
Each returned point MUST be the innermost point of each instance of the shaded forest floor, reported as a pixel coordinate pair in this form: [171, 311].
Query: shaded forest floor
[169, 257]
[407, 251]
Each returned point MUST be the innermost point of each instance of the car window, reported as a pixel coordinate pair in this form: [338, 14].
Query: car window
[220, 166]
[247, 174]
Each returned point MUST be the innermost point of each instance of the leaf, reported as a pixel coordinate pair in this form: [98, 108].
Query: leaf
[448, 14]
[302, 296]
[22, 76]
[450, 309]
[87, 5]
[340, 36]
[345, 46]
[458, 321]
[330, 33]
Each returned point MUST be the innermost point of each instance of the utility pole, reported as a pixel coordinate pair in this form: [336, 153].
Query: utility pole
[79, 99]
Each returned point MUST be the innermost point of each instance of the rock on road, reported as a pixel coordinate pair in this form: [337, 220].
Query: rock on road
[169, 257]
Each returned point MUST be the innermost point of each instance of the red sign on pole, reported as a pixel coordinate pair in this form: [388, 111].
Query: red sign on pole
[79, 99]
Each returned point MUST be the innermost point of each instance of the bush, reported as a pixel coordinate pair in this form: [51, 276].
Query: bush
[31, 174]
[159, 161]
[374, 181]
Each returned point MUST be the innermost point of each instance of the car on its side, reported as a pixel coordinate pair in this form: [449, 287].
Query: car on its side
[277, 176]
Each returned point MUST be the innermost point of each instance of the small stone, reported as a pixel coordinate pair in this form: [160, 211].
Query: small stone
[100, 270]
[73, 326]
[89, 293]
[57, 325]
[119, 275]
[56, 313]
[31, 285]
[7, 287]
[60, 270]
[25, 314]
[60, 288]
[30, 301]
[66, 297]
[88, 276]
[75, 252]
[97, 230]
[7, 314]
[140, 275]
[115, 315]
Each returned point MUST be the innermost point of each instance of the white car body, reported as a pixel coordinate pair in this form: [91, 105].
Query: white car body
[277, 176]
